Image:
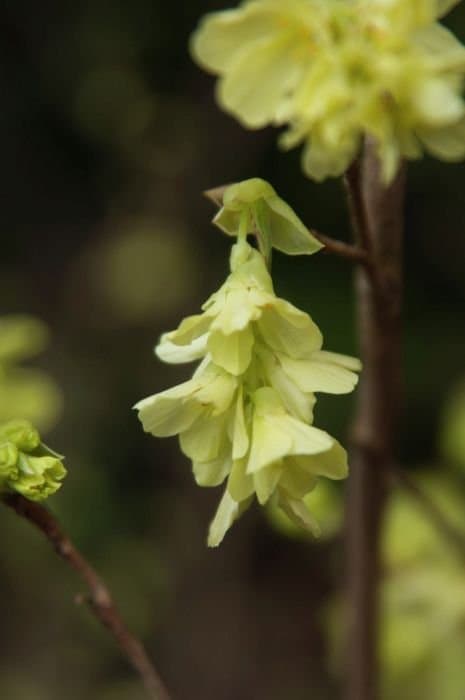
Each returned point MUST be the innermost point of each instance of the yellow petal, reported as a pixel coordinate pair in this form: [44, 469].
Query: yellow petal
[443, 46]
[258, 80]
[240, 433]
[238, 311]
[246, 192]
[352, 363]
[167, 413]
[205, 438]
[331, 463]
[447, 143]
[228, 511]
[266, 481]
[437, 103]
[232, 352]
[170, 352]
[214, 472]
[216, 389]
[276, 434]
[222, 36]
[189, 329]
[314, 376]
[288, 233]
[270, 443]
[240, 484]
[320, 161]
[289, 330]
[298, 403]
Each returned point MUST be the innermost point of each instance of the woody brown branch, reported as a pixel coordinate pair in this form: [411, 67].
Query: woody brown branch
[354, 253]
[377, 217]
[99, 597]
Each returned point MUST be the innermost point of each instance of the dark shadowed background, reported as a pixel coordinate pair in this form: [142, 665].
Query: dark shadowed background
[109, 134]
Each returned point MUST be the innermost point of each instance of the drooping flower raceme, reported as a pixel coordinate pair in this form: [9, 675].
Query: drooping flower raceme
[246, 415]
[336, 70]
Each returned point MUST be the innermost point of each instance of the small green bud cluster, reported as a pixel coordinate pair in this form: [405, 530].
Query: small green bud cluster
[27, 466]
[246, 415]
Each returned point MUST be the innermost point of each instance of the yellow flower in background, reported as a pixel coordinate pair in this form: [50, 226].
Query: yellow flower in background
[422, 595]
[246, 414]
[26, 392]
[335, 71]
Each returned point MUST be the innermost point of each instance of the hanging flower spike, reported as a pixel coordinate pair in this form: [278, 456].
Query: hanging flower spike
[245, 415]
[337, 71]
[27, 466]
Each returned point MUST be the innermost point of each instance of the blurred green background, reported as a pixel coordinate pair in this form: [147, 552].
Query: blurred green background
[109, 134]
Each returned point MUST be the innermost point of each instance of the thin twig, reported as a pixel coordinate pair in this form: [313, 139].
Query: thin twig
[99, 599]
[344, 250]
[448, 530]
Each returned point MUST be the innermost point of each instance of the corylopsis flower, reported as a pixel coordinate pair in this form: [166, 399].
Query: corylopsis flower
[338, 70]
[246, 414]
[254, 205]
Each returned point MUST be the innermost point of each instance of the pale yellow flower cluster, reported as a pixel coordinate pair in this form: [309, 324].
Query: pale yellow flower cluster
[246, 415]
[335, 71]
